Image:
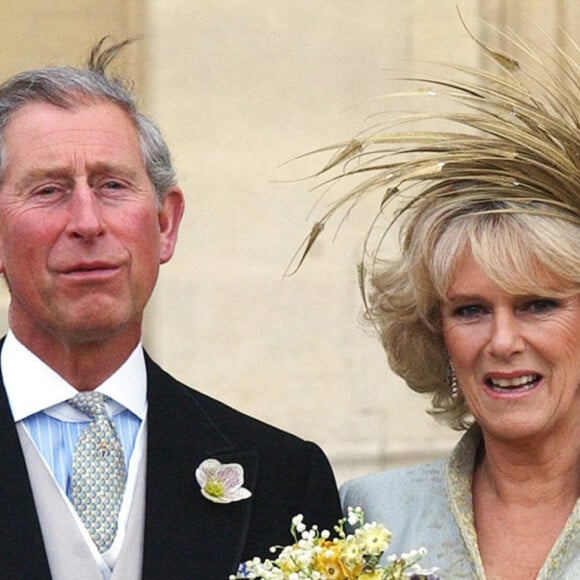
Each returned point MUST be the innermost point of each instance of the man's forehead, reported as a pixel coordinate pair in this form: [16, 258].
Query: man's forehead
[101, 114]
[43, 125]
[45, 137]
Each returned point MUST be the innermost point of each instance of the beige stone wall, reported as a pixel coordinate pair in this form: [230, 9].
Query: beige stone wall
[240, 87]
[36, 32]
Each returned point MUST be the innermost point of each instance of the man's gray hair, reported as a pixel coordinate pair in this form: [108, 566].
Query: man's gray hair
[68, 87]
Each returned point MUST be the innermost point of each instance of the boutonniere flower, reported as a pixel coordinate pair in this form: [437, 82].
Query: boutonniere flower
[221, 483]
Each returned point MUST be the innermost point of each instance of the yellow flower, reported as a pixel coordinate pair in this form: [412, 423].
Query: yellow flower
[374, 539]
[376, 575]
[287, 561]
[329, 563]
[351, 556]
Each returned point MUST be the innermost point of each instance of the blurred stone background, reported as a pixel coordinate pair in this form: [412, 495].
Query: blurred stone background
[239, 88]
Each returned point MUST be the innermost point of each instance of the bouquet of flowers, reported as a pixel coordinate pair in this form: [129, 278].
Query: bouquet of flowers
[314, 555]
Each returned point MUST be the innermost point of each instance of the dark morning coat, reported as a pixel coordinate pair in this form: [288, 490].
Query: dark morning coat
[187, 537]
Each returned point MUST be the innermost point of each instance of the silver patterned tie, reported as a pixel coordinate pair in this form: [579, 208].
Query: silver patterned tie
[98, 472]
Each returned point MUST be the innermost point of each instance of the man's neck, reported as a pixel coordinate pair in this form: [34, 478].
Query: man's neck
[84, 365]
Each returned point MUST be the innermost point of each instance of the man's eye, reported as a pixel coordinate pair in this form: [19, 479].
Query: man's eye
[113, 185]
[46, 190]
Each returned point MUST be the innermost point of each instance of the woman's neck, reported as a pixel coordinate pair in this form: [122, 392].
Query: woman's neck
[526, 472]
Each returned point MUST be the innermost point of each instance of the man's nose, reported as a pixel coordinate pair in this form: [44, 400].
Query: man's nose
[506, 337]
[85, 213]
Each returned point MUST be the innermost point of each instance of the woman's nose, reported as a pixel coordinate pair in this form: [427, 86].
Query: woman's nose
[506, 337]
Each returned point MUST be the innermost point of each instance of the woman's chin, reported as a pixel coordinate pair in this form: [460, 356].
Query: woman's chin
[518, 427]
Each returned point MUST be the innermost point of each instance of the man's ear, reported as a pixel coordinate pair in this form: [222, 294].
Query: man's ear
[1, 261]
[170, 214]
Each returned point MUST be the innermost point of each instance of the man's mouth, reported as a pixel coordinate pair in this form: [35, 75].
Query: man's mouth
[90, 272]
[89, 266]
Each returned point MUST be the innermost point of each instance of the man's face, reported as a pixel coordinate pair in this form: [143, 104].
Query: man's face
[81, 233]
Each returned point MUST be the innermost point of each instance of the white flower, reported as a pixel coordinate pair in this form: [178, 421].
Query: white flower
[354, 515]
[298, 523]
[221, 483]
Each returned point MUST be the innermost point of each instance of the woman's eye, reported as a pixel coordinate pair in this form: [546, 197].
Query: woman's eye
[468, 311]
[541, 305]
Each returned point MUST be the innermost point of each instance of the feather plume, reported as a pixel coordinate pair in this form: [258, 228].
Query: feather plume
[514, 136]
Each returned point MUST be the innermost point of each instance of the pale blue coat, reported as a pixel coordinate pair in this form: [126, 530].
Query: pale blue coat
[430, 506]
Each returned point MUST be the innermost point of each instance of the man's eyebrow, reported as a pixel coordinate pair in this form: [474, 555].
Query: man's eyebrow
[38, 174]
[59, 172]
[106, 167]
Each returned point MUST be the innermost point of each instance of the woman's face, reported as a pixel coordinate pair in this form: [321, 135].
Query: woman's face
[517, 358]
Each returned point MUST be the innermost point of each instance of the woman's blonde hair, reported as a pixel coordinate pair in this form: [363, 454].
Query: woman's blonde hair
[523, 253]
[503, 182]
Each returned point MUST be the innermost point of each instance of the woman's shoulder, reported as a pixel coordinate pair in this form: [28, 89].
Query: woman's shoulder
[412, 503]
[387, 495]
[396, 480]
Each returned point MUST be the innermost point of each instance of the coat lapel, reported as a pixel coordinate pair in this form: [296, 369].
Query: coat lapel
[22, 553]
[186, 535]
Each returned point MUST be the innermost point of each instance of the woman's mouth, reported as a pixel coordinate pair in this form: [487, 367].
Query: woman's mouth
[516, 384]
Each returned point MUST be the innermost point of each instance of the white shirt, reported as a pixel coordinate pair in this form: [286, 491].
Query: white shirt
[34, 390]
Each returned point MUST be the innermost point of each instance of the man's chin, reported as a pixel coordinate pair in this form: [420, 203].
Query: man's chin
[98, 329]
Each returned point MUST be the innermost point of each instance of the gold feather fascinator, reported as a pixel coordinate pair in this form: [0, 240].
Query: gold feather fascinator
[512, 136]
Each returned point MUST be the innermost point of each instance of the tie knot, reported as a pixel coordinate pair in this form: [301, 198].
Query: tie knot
[90, 403]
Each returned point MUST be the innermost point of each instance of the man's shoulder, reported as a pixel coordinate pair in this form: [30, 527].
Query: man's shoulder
[235, 424]
[286, 474]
